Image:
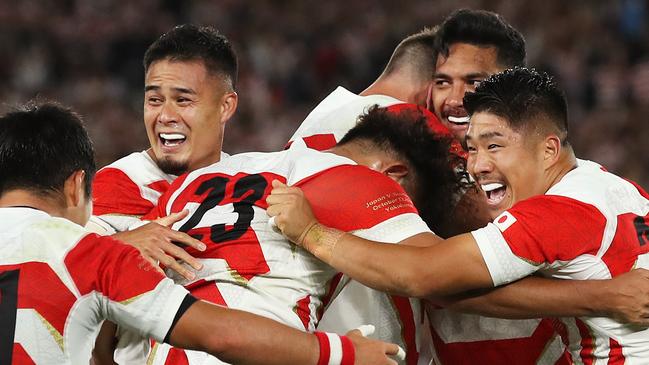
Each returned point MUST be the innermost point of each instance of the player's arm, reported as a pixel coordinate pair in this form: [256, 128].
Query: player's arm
[627, 299]
[240, 337]
[448, 267]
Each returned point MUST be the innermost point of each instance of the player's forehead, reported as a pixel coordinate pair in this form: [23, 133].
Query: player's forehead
[466, 59]
[181, 75]
[485, 126]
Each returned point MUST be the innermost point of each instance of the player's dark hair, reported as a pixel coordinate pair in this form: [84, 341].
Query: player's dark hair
[483, 29]
[188, 42]
[417, 51]
[41, 145]
[406, 135]
[523, 97]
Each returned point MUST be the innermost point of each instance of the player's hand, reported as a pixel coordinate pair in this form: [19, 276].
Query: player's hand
[370, 352]
[290, 210]
[158, 244]
[630, 297]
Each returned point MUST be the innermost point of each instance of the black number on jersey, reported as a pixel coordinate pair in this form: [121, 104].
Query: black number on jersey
[641, 229]
[8, 309]
[216, 187]
[244, 208]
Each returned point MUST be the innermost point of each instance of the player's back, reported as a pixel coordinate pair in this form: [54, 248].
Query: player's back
[57, 283]
[247, 264]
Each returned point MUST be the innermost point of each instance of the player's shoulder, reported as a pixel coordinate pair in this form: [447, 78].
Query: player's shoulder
[590, 184]
[138, 167]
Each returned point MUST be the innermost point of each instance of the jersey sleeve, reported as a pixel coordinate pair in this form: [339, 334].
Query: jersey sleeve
[355, 198]
[537, 234]
[133, 293]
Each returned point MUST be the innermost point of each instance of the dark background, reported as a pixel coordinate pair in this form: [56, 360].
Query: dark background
[87, 54]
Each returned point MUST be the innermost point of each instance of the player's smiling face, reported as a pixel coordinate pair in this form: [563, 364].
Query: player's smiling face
[463, 69]
[505, 163]
[184, 115]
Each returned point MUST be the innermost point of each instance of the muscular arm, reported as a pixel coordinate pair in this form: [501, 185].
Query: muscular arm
[454, 266]
[627, 299]
[240, 337]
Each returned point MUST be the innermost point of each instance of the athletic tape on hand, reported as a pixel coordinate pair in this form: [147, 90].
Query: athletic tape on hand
[401, 354]
[273, 225]
[366, 330]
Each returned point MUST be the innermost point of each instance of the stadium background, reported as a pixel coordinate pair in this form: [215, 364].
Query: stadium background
[87, 54]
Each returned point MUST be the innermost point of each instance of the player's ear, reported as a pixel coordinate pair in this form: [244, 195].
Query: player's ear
[396, 171]
[74, 188]
[228, 105]
[551, 150]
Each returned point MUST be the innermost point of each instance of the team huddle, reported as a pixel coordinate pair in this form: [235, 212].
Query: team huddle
[440, 216]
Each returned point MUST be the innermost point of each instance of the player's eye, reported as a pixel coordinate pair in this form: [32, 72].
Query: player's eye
[154, 100]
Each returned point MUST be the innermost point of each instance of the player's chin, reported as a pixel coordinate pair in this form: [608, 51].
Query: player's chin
[173, 166]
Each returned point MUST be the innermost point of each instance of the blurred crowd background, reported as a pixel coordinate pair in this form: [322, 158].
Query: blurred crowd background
[87, 54]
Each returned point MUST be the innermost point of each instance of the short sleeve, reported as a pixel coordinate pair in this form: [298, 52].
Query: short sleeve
[135, 295]
[537, 233]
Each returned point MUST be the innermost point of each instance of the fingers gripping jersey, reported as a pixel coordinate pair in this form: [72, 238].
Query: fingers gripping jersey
[248, 265]
[127, 189]
[590, 225]
[58, 283]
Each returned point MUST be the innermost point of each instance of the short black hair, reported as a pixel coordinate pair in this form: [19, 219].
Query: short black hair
[189, 42]
[41, 145]
[483, 29]
[405, 134]
[416, 51]
[525, 98]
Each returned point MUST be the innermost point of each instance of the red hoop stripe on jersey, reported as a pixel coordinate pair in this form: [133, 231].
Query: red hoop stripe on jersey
[617, 257]
[587, 353]
[615, 355]
[303, 311]
[332, 285]
[114, 192]
[118, 263]
[176, 356]
[20, 356]
[408, 328]
[520, 350]
[320, 142]
[558, 231]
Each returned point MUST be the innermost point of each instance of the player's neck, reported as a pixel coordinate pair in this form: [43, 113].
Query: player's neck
[401, 86]
[26, 198]
[567, 162]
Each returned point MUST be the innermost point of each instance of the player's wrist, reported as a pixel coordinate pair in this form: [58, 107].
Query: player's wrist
[335, 349]
[321, 241]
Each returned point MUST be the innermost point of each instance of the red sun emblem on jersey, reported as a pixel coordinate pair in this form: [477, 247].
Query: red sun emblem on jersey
[504, 221]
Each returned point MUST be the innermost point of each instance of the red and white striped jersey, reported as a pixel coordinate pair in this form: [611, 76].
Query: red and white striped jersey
[250, 266]
[398, 320]
[590, 225]
[58, 283]
[127, 189]
[335, 116]
[464, 339]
